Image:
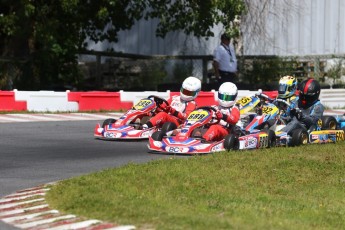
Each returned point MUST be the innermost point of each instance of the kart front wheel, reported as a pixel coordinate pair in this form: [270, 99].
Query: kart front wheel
[231, 142]
[272, 139]
[108, 122]
[299, 137]
[158, 135]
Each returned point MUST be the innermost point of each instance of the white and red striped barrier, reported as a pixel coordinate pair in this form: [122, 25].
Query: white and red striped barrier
[51, 101]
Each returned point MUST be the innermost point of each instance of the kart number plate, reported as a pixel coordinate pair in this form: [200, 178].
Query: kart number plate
[143, 103]
[268, 110]
[244, 100]
[197, 115]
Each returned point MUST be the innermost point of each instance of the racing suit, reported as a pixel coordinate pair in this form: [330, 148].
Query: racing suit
[305, 118]
[218, 131]
[178, 113]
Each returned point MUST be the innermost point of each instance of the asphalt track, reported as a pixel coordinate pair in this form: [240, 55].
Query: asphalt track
[35, 153]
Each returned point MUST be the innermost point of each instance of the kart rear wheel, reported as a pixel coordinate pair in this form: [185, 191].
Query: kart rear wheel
[272, 139]
[108, 121]
[158, 135]
[299, 137]
[231, 142]
[168, 126]
[329, 122]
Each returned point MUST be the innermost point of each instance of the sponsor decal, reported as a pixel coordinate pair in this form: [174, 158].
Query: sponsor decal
[112, 135]
[251, 142]
[172, 149]
[145, 134]
[217, 147]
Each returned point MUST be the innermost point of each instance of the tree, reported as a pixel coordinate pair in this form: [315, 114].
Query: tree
[46, 35]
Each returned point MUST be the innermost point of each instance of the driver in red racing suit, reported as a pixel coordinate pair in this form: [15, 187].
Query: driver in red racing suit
[179, 106]
[227, 112]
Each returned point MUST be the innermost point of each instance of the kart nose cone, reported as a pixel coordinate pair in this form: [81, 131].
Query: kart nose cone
[100, 130]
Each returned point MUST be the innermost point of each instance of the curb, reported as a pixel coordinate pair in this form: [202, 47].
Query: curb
[28, 209]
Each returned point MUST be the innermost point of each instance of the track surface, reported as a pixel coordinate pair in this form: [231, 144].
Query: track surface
[35, 153]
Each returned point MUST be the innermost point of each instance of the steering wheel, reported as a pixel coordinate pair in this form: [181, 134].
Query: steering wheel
[214, 110]
[159, 101]
[281, 101]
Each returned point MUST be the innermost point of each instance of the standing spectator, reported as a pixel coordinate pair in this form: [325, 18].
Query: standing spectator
[224, 61]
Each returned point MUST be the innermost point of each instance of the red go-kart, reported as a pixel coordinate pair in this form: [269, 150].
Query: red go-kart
[185, 140]
[129, 125]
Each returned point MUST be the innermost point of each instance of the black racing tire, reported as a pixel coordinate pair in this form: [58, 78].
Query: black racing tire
[231, 142]
[272, 139]
[299, 137]
[329, 122]
[158, 135]
[168, 126]
[108, 121]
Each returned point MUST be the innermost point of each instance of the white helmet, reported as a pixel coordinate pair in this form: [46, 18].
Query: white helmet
[227, 94]
[191, 87]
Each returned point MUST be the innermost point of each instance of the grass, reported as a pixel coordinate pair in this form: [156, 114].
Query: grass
[278, 188]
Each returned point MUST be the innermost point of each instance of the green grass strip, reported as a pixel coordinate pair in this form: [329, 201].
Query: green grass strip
[278, 188]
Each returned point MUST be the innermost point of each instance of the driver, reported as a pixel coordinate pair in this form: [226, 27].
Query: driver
[287, 92]
[227, 112]
[310, 109]
[179, 106]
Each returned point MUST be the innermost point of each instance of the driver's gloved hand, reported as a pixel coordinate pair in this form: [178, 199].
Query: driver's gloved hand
[296, 113]
[219, 115]
[258, 110]
[299, 115]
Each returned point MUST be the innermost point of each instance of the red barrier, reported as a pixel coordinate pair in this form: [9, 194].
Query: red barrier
[8, 102]
[203, 99]
[99, 100]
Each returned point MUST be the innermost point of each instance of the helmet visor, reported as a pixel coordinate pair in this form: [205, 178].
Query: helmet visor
[188, 93]
[282, 88]
[226, 97]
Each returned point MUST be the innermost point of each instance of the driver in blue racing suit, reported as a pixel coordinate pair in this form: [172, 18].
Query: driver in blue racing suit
[309, 110]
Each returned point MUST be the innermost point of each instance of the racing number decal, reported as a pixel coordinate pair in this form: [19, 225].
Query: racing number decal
[263, 141]
[142, 104]
[196, 115]
[267, 109]
[340, 136]
[245, 100]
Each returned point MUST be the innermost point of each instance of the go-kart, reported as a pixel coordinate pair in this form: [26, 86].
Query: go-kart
[329, 129]
[185, 140]
[129, 125]
[266, 113]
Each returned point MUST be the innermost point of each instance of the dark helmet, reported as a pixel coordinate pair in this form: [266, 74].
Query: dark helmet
[309, 91]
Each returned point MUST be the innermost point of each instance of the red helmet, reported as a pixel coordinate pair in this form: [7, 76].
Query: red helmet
[309, 91]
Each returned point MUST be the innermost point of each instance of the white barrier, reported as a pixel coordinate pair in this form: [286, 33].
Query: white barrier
[333, 98]
[46, 101]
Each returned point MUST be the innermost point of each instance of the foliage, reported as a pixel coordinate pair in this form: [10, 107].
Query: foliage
[49, 34]
[264, 72]
[278, 188]
[182, 70]
[335, 72]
